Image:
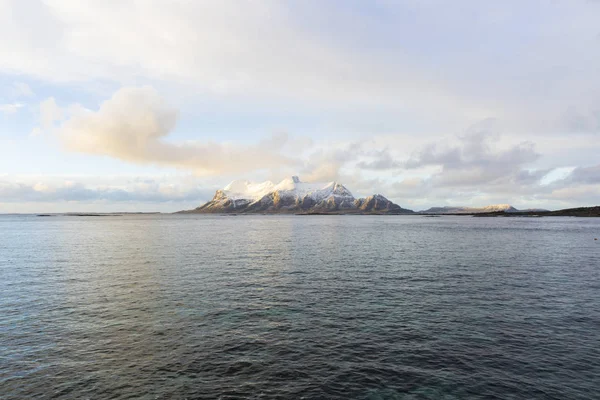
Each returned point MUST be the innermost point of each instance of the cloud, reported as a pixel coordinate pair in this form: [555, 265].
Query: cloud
[583, 195]
[136, 190]
[323, 165]
[133, 126]
[380, 160]
[475, 159]
[226, 48]
[479, 167]
[11, 108]
[582, 120]
[584, 175]
[50, 113]
[524, 63]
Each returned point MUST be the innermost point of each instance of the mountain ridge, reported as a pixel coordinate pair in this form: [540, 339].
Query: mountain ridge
[292, 196]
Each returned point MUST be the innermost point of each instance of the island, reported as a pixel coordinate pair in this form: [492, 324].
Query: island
[292, 196]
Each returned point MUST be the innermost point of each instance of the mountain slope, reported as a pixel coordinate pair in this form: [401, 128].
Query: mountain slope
[294, 196]
[378, 203]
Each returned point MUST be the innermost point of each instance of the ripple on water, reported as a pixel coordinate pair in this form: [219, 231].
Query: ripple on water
[291, 307]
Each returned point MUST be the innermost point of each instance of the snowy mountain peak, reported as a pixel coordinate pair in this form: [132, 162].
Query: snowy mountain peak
[293, 195]
[499, 207]
[239, 189]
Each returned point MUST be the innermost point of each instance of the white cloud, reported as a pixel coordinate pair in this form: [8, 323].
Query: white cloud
[73, 193]
[227, 48]
[522, 62]
[50, 113]
[11, 108]
[133, 126]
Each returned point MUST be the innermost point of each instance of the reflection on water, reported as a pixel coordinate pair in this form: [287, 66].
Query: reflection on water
[289, 307]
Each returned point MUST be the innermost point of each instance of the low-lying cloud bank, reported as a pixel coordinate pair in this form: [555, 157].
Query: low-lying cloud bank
[132, 190]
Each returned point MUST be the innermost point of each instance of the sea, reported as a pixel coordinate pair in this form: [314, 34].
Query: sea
[299, 307]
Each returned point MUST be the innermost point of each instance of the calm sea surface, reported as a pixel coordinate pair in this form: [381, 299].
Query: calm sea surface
[320, 307]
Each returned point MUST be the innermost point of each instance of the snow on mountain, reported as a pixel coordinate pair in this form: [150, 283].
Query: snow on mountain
[289, 187]
[247, 190]
[498, 207]
[293, 195]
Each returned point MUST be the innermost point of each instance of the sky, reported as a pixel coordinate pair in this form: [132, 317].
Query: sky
[132, 105]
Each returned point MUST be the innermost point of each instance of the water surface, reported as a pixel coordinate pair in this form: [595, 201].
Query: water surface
[331, 307]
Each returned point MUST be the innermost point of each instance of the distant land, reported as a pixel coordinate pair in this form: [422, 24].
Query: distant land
[568, 212]
[292, 196]
[95, 214]
[507, 208]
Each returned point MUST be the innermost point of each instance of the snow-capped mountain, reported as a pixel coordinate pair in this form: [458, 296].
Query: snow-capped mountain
[294, 196]
[471, 210]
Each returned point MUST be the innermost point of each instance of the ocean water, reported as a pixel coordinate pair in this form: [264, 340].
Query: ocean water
[292, 307]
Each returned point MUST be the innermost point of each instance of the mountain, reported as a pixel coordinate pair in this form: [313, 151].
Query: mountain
[378, 203]
[470, 210]
[294, 196]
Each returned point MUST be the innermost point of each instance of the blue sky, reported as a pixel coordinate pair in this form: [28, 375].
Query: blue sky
[151, 106]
